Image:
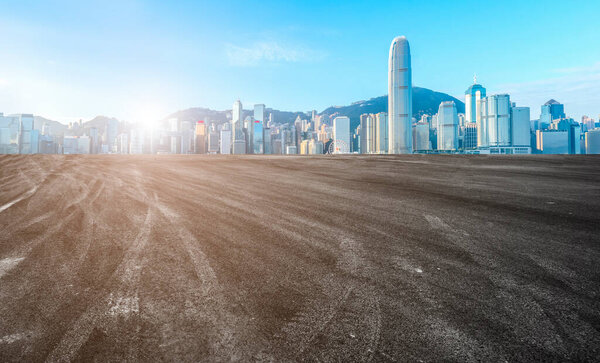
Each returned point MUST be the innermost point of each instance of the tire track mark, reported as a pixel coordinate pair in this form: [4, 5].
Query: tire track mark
[109, 305]
[319, 315]
[27, 195]
[227, 326]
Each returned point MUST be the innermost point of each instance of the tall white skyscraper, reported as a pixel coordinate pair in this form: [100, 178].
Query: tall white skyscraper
[447, 127]
[473, 95]
[495, 115]
[371, 134]
[381, 141]
[236, 121]
[341, 135]
[400, 97]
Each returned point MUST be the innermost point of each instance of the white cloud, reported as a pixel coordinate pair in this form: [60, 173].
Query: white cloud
[578, 88]
[593, 68]
[268, 52]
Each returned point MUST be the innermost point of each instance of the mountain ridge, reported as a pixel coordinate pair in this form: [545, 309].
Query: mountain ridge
[425, 101]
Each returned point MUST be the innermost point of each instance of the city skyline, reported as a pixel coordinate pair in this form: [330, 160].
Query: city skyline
[491, 124]
[151, 59]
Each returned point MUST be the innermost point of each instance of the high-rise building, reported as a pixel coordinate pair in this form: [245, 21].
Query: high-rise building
[371, 134]
[200, 136]
[494, 128]
[473, 96]
[575, 139]
[25, 134]
[226, 139]
[355, 140]
[271, 119]
[503, 128]
[47, 145]
[461, 119]
[112, 130]
[426, 119]
[9, 131]
[400, 97]
[447, 127]
[174, 136]
[292, 137]
[316, 121]
[121, 143]
[239, 147]
[83, 144]
[291, 150]
[341, 135]
[188, 144]
[381, 139]
[283, 142]
[592, 141]
[237, 121]
[551, 110]
[315, 147]
[574, 133]
[136, 143]
[258, 138]
[470, 136]
[249, 134]
[304, 147]
[46, 129]
[259, 114]
[552, 141]
[268, 140]
[520, 126]
[362, 134]
[367, 134]
[94, 140]
[297, 132]
[213, 139]
[588, 122]
[70, 145]
[421, 136]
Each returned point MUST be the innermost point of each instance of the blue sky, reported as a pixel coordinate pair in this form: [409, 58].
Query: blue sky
[137, 60]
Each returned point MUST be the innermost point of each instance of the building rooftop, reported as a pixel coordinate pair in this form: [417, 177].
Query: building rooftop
[552, 102]
[474, 86]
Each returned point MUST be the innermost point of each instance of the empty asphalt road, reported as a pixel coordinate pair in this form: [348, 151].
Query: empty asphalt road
[271, 258]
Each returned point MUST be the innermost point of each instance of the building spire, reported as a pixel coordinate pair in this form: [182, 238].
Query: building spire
[474, 78]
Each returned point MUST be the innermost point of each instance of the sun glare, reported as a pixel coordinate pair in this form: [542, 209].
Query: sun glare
[147, 115]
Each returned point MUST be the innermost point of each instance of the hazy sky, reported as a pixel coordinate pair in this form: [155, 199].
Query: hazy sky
[144, 59]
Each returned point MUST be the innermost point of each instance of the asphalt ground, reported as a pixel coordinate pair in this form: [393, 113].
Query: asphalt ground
[275, 258]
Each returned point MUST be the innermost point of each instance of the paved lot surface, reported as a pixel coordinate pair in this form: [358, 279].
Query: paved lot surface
[191, 258]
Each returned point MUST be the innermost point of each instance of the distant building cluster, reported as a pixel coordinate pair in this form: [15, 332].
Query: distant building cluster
[260, 134]
[19, 136]
[256, 133]
[490, 125]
